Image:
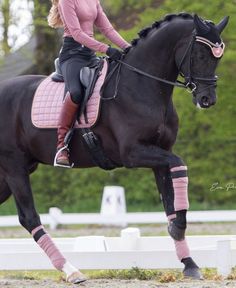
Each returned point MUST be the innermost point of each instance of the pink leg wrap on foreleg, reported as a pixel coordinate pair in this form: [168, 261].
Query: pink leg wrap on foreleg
[180, 186]
[182, 249]
[49, 247]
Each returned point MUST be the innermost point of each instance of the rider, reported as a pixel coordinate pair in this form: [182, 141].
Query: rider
[78, 17]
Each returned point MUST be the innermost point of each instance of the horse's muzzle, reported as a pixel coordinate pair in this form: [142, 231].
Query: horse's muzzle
[204, 101]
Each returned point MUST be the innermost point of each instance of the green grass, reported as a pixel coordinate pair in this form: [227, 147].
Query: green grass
[162, 276]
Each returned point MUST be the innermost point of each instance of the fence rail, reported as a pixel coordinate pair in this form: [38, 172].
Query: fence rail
[56, 217]
[125, 252]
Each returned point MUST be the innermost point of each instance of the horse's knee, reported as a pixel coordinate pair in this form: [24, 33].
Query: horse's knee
[175, 161]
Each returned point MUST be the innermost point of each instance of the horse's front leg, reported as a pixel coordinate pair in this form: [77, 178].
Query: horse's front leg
[17, 179]
[171, 177]
[152, 157]
[165, 187]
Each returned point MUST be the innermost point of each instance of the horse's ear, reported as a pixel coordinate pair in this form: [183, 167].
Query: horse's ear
[201, 27]
[221, 26]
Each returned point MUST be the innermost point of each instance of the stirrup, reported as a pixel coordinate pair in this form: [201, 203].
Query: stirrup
[55, 164]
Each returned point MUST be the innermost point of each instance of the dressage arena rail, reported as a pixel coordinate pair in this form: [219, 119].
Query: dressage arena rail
[56, 217]
[125, 252]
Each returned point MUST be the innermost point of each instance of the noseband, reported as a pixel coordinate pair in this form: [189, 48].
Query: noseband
[190, 79]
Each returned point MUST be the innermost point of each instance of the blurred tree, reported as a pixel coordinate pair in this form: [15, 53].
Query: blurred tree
[5, 13]
[48, 39]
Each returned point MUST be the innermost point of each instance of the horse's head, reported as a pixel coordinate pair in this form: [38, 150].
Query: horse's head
[198, 60]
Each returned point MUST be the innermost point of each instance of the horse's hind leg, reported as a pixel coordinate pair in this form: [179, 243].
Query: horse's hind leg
[18, 180]
[165, 187]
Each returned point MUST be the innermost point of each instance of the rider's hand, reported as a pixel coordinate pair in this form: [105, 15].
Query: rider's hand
[114, 54]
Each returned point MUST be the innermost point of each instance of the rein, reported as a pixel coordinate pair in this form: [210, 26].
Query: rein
[189, 83]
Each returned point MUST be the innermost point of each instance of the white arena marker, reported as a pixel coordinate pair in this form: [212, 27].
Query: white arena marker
[130, 238]
[113, 202]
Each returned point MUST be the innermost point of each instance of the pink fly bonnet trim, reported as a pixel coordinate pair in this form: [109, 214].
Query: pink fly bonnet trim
[216, 49]
[48, 101]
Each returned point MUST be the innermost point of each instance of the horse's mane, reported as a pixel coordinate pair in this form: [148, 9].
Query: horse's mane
[157, 24]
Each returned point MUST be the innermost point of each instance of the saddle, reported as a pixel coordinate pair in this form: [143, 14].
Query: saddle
[48, 98]
[88, 75]
[88, 78]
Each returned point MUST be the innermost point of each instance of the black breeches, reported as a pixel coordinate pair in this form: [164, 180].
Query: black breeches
[73, 58]
[71, 73]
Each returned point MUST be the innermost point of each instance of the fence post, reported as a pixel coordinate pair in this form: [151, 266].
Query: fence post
[224, 260]
[54, 215]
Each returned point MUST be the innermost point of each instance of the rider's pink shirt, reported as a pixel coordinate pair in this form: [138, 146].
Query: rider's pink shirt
[79, 18]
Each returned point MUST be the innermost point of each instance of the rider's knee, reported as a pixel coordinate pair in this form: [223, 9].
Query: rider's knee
[76, 96]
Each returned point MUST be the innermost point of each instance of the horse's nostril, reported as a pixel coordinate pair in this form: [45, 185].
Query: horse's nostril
[205, 101]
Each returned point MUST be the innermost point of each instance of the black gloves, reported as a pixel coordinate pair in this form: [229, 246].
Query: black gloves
[114, 54]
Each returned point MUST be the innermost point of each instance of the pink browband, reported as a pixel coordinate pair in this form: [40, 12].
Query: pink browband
[216, 48]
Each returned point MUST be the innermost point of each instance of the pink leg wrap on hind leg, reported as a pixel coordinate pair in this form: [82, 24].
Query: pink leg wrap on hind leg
[180, 185]
[49, 247]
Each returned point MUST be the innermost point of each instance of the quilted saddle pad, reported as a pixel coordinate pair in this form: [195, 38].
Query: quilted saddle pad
[48, 100]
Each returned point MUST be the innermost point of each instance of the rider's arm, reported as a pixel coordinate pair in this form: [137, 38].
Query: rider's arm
[70, 19]
[107, 29]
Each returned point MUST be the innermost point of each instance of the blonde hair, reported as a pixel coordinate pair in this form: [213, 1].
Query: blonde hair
[54, 18]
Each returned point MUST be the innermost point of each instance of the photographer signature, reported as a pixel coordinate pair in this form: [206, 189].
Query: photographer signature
[216, 186]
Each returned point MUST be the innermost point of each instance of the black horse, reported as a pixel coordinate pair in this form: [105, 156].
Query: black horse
[137, 128]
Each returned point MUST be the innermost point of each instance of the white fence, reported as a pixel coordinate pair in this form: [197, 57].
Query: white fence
[129, 250]
[57, 217]
[113, 212]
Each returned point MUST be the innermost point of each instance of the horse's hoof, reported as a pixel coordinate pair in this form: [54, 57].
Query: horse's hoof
[193, 273]
[76, 278]
[175, 232]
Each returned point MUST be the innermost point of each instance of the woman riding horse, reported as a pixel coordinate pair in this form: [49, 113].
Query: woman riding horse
[78, 19]
[137, 127]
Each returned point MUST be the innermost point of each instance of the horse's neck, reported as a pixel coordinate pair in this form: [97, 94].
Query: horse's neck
[155, 54]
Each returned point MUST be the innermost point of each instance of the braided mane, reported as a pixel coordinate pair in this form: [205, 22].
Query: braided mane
[144, 32]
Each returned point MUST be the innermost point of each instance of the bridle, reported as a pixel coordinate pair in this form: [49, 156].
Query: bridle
[190, 82]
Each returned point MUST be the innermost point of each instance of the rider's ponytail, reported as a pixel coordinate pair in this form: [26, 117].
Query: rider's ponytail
[54, 19]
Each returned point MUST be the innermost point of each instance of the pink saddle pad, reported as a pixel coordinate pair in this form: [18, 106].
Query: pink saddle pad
[48, 101]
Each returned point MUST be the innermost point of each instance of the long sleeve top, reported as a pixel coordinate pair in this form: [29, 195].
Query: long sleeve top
[79, 18]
